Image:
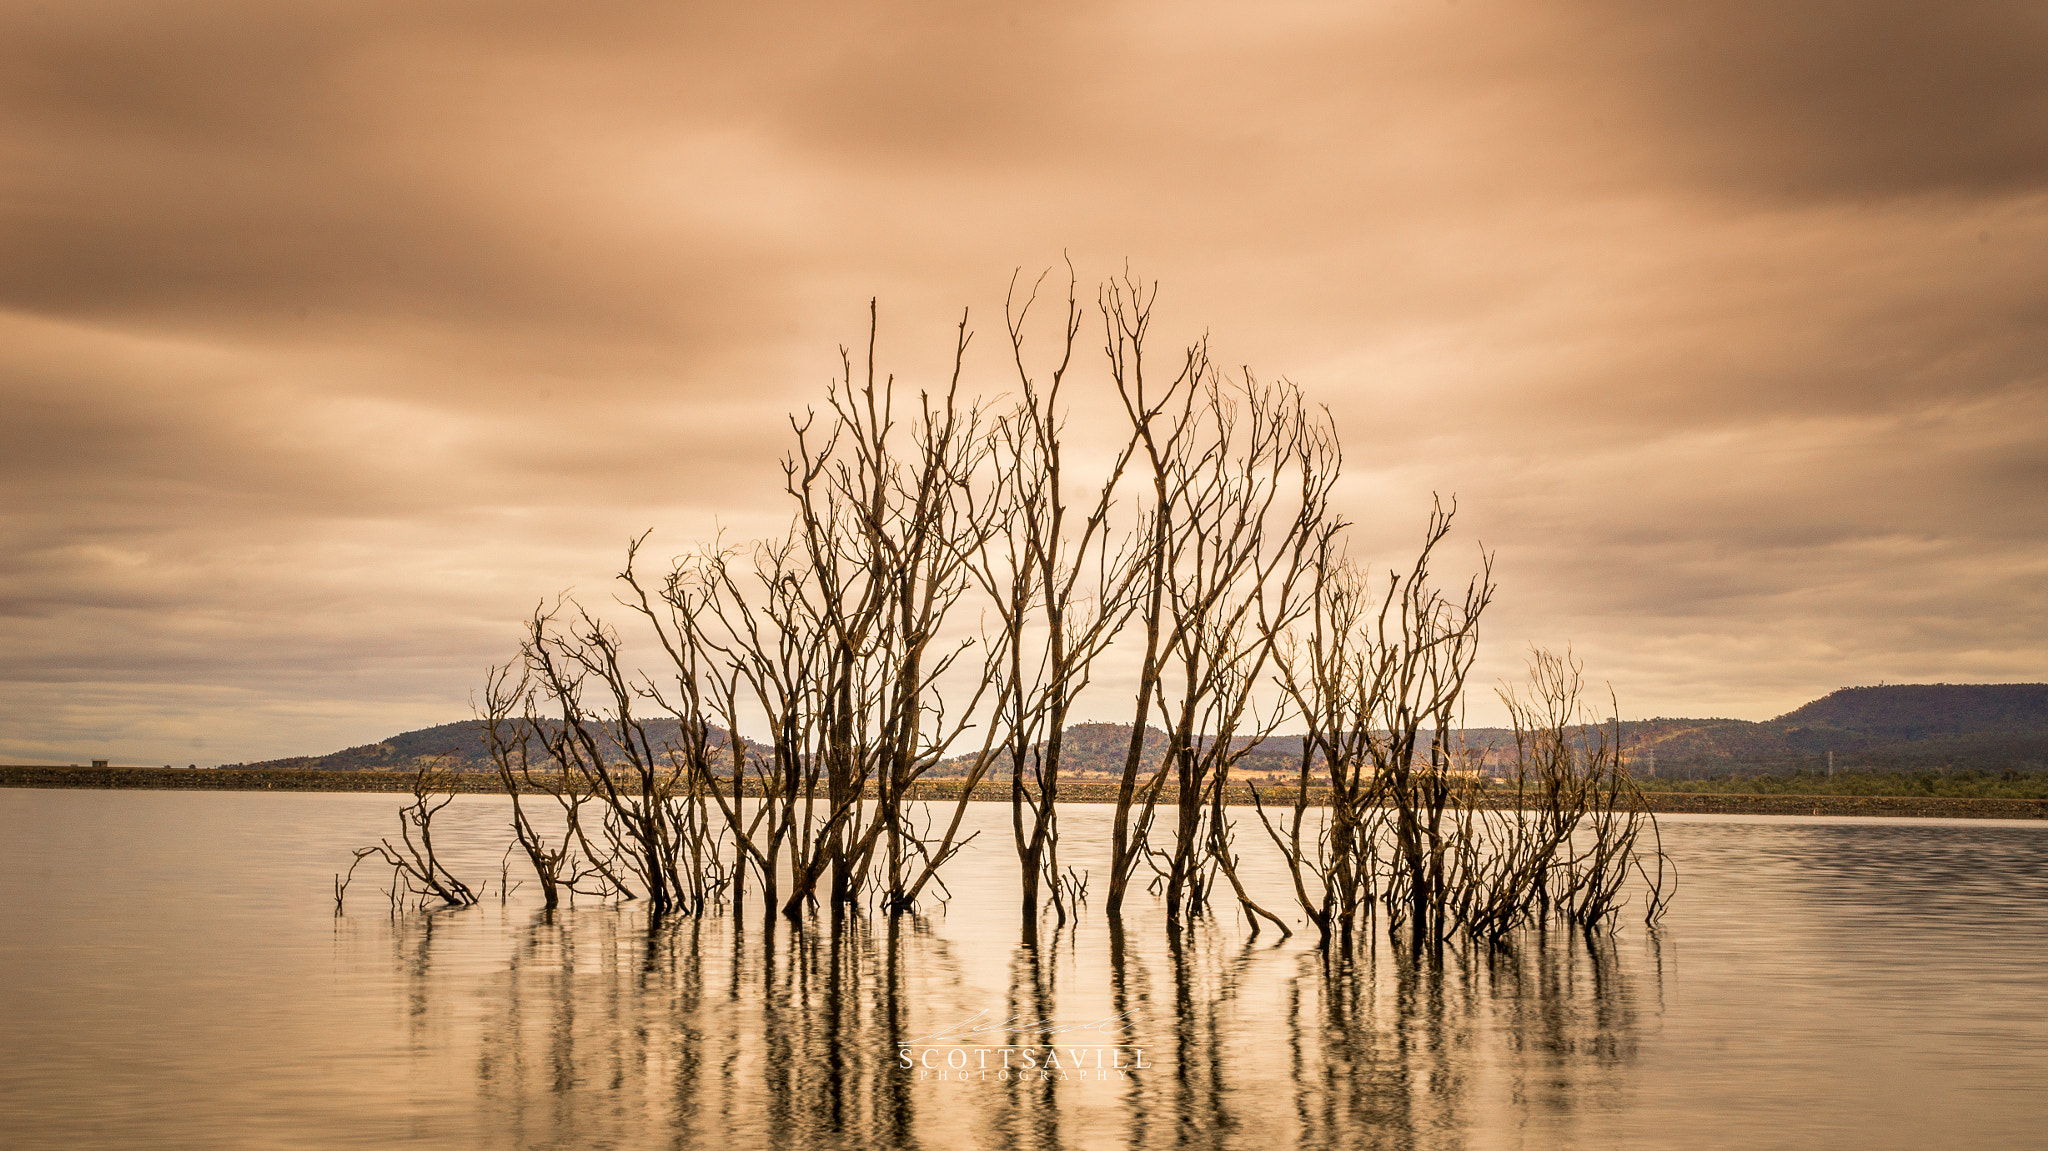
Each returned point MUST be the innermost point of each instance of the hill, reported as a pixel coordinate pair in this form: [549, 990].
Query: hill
[459, 746]
[1925, 711]
[1894, 727]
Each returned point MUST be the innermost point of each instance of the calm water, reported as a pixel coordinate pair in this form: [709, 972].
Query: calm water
[172, 975]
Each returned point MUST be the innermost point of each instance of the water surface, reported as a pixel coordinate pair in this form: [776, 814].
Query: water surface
[172, 975]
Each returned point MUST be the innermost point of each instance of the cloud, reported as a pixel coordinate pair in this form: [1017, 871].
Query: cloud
[334, 335]
[1840, 100]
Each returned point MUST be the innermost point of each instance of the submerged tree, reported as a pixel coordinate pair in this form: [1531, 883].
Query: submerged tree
[835, 637]
[1411, 819]
[1207, 543]
[1240, 475]
[418, 875]
[887, 536]
[1376, 679]
[513, 734]
[1059, 592]
[1578, 821]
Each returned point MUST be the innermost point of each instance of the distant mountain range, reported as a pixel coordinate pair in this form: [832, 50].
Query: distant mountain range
[1904, 727]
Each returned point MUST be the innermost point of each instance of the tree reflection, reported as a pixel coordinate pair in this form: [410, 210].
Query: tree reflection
[603, 1029]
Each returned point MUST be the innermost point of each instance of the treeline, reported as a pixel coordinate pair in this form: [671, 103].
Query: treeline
[1764, 753]
[943, 593]
[1967, 784]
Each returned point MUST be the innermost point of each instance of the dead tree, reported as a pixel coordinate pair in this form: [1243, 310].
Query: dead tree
[1158, 416]
[1578, 807]
[845, 637]
[656, 825]
[1328, 673]
[1060, 591]
[417, 873]
[511, 731]
[883, 536]
[711, 670]
[1240, 475]
[1378, 679]
[834, 636]
[1424, 645]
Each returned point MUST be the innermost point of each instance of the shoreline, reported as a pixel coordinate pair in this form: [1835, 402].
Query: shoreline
[1075, 791]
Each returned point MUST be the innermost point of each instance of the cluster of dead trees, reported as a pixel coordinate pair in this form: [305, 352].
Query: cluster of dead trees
[946, 589]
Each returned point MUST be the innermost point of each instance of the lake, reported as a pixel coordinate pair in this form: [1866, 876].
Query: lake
[173, 974]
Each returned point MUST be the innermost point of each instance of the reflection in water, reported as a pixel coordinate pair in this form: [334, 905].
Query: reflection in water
[604, 1030]
[1388, 1047]
[1843, 984]
[1027, 1114]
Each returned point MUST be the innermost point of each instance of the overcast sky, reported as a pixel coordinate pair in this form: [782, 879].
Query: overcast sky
[335, 335]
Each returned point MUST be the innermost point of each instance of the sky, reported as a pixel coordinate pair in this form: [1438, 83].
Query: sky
[335, 336]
